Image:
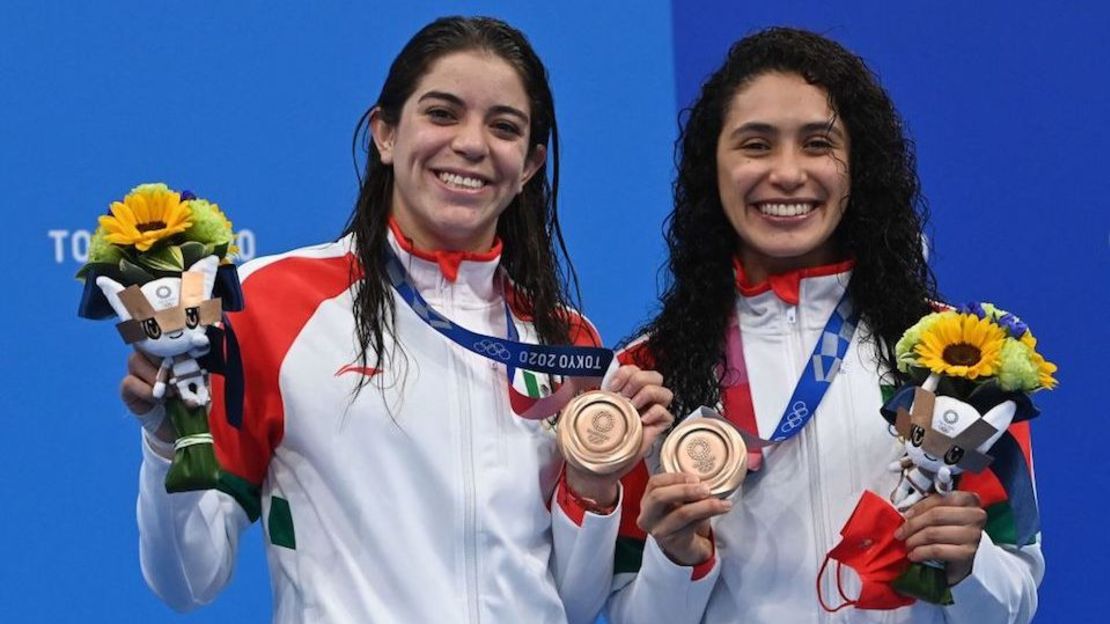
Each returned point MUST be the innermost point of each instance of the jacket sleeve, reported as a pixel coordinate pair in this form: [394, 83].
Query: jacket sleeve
[647, 587]
[584, 543]
[1002, 586]
[1006, 572]
[187, 541]
[661, 591]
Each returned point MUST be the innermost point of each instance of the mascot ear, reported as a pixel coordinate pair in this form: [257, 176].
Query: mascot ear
[207, 267]
[1000, 416]
[111, 289]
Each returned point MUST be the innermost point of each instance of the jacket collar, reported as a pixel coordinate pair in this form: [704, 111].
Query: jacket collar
[469, 275]
[806, 296]
[787, 286]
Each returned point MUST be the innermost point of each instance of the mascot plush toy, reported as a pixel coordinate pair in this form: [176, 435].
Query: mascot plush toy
[167, 319]
[943, 436]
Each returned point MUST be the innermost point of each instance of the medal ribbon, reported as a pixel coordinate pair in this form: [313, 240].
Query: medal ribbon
[821, 370]
[582, 367]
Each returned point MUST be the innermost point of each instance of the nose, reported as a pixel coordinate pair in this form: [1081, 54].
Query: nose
[470, 140]
[788, 170]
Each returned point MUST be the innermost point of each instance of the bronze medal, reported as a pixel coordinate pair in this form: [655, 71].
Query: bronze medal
[600, 432]
[710, 449]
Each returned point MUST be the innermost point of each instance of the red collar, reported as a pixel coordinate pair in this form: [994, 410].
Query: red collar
[448, 261]
[786, 286]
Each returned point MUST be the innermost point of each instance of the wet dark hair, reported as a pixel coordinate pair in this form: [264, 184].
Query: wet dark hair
[529, 228]
[882, 225]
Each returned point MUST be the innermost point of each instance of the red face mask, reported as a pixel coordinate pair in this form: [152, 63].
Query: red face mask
[868, 546]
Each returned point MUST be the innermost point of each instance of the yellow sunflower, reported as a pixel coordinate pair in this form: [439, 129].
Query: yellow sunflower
[961, 345]
[147, 215]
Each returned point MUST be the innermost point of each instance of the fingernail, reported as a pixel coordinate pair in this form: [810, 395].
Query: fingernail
[703, 490]
[727, 504]
[901, 531]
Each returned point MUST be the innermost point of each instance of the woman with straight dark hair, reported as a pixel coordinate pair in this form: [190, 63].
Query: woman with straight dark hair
[381, 444]
[797, 200]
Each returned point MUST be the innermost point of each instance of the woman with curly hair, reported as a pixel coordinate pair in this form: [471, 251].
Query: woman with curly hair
[797, 200]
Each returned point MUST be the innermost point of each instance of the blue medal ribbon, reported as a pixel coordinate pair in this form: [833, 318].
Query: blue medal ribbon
[824, 364]
[565, 360]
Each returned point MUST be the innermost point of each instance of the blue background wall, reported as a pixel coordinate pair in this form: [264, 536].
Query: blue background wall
[253, 105]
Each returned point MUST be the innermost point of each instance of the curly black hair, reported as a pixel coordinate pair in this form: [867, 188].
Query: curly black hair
[528, 228]
[892, 283]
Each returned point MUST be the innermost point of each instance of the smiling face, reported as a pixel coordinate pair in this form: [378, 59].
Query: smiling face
[782, 174]
[459, 151]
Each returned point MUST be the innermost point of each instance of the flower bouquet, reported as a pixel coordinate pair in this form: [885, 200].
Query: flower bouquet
[973, 369]
[155, 261]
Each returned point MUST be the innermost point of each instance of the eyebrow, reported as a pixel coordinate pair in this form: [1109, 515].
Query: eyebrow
[499, 109]
[828, 127]
[759, 127]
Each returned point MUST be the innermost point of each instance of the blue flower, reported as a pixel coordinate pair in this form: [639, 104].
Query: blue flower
[975, 308]
[1013, 325]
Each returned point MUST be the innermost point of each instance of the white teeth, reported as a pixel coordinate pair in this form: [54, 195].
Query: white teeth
[785, 210]
[454, 179]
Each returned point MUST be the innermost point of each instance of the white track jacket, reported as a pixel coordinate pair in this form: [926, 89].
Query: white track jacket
[423, 498]
[788, 515]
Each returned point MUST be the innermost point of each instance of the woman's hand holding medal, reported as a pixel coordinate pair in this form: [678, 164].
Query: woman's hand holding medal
[704, 461]
[597, 481]
[675, 510]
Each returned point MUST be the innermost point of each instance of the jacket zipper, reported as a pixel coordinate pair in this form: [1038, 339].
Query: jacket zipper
[466, 424]
[813, 454]
[470, 520]
[819, 532]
